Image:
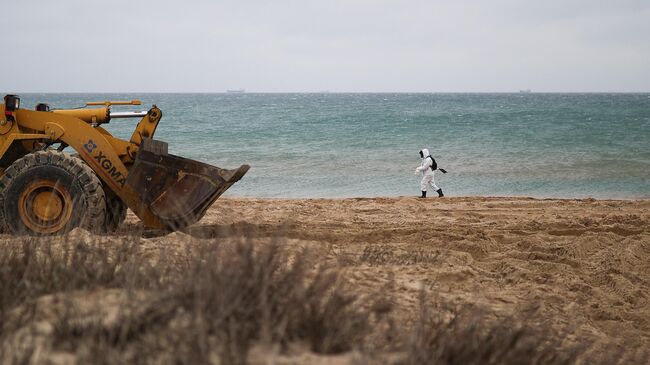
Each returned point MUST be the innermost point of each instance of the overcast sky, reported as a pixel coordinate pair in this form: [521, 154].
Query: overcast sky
[335, 45]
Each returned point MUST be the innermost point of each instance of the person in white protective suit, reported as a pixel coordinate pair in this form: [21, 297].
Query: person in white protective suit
[427, 169]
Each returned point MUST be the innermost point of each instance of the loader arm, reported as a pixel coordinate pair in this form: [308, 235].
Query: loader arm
[95, 149]
[145, 129]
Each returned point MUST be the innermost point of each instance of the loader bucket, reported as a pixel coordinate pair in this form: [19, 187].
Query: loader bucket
[177, 190]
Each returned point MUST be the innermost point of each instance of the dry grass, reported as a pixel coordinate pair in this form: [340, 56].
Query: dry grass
[485, 340]
[217, 302]
[223, 297]
[465, 334]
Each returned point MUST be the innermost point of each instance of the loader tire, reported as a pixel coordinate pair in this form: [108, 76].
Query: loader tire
[115, 208]
[49, 193]
[115, 213]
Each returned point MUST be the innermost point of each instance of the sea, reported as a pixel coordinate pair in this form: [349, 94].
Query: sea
[332, 145]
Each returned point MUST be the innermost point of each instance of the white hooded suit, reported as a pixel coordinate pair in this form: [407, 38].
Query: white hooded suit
[427, 173]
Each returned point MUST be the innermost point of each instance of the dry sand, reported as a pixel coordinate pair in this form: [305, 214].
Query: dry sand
[582, 263]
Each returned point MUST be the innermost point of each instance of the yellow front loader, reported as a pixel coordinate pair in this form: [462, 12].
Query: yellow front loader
[44, 190]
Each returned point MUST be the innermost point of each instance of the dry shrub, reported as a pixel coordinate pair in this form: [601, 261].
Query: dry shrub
[242, 293]
[378, 255]
[34, 267]
[216, 302]
[331, 323]
[468, 337]
[465, 334]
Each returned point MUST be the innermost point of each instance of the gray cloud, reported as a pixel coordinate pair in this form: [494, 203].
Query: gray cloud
[354, 45]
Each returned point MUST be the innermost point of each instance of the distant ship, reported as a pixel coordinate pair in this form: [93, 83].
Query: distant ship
[527, 91]
[236, 91]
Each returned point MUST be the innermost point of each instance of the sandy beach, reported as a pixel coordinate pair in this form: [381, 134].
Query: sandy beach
[583, 259]
[584, 263]
[578, 264]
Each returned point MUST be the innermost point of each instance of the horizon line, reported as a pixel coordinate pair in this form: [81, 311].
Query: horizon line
[330, 92]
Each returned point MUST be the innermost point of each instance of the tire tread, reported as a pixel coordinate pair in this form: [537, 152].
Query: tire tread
[93, 219]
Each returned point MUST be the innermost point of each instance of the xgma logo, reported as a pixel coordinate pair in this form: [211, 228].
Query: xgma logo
[90, 146]
[105, 163]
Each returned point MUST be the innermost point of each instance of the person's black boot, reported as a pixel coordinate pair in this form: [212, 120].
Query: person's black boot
[440, 194]
[424, 194]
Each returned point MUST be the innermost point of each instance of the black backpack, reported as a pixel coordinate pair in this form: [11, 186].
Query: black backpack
[434, 164]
